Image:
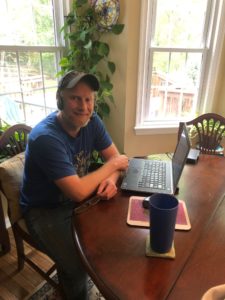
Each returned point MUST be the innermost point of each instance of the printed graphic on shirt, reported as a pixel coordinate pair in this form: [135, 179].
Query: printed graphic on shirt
[82, 163]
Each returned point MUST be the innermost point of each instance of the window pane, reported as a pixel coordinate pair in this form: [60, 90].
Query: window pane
[50, 98]
[35, 98]
[30, 71]
[26, 22]
[49, 69]
[10, 110]
[34, 114]
[9, 79]
[30, 88]
[174, 84]
[179, 23]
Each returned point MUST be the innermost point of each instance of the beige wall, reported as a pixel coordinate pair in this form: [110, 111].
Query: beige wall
[124, 52]
[219, 104]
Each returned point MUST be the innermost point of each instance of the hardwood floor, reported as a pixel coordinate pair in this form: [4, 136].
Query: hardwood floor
[16, 285]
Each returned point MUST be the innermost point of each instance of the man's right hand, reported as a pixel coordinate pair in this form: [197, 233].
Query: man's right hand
[119, 162]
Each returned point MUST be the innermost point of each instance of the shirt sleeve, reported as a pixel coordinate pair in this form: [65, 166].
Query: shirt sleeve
[51, 157]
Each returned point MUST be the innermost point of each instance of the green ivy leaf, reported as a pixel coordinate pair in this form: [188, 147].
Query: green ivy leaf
[88, 45]
[82, 35]
[93, 70]
[70, 19]
[96, 43]
[117, 28]
[79, 3]
[64, 62]
[90, 12]
[62, 28]
[105, 109]
[111, 98]
[111, 66]
[96, 58]
[60, 73]
[106, 85]
[103, 49]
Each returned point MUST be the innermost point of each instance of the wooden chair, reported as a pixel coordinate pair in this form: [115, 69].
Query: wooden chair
[14, 139]
[208, 130]
[13, 142]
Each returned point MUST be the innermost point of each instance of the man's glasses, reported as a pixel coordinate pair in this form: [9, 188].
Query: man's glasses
[87, 204]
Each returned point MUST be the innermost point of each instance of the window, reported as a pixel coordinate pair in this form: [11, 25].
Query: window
[180, 43]
[30, 50]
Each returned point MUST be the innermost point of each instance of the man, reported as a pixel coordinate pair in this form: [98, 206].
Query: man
[56, 175]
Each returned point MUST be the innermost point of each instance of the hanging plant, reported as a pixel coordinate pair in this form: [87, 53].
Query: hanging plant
[84, 31]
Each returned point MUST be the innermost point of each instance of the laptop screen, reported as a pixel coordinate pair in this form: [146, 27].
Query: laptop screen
[180, 156]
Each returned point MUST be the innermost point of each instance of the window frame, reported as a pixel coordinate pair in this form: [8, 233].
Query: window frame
[211, 67]
[60, 10]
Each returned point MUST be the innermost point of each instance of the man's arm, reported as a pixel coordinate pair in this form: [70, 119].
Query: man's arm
[109, 153]
[78, 188]
[107, 188]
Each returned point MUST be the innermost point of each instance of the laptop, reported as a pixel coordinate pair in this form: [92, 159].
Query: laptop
[157, 176]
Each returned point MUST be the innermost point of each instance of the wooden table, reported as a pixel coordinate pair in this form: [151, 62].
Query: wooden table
[114, 253]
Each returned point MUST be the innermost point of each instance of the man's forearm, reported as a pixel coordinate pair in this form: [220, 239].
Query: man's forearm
[79, 188]
[115, 176]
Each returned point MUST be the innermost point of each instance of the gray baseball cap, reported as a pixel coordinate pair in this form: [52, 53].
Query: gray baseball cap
[70, 79]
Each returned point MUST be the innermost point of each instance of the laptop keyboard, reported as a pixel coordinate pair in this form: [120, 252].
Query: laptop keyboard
[154, 175]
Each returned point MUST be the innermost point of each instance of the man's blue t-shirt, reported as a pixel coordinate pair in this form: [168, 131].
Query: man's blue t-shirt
[52, 154]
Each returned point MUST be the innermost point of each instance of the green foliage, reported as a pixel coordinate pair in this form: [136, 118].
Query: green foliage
[43, 23]
[87, 52]
[3, 126]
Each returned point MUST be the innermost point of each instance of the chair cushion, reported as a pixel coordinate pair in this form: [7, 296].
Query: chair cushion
[11, 174]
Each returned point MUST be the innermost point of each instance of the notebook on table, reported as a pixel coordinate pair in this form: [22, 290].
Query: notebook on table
[157, 176]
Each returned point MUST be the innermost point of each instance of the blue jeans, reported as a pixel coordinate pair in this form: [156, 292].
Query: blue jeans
[51, 229]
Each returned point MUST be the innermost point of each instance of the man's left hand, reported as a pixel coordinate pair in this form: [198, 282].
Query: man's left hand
[107, 189]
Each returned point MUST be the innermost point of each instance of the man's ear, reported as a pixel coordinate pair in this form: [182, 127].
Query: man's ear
[59, 99]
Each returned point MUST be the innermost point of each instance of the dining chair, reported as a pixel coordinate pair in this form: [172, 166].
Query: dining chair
[13, 142]
[206, 133]
[14, 139]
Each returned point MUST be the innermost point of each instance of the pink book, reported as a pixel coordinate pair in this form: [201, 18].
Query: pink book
[139, 216]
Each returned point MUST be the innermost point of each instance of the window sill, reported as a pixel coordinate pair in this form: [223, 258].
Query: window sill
[156, 128]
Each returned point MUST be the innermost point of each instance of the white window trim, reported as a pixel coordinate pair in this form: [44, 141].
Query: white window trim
[59, 19]
[147, 128]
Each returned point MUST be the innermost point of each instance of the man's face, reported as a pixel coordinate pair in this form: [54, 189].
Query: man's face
[78, 105]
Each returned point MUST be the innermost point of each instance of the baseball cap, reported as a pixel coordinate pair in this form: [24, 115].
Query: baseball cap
[70, 79]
